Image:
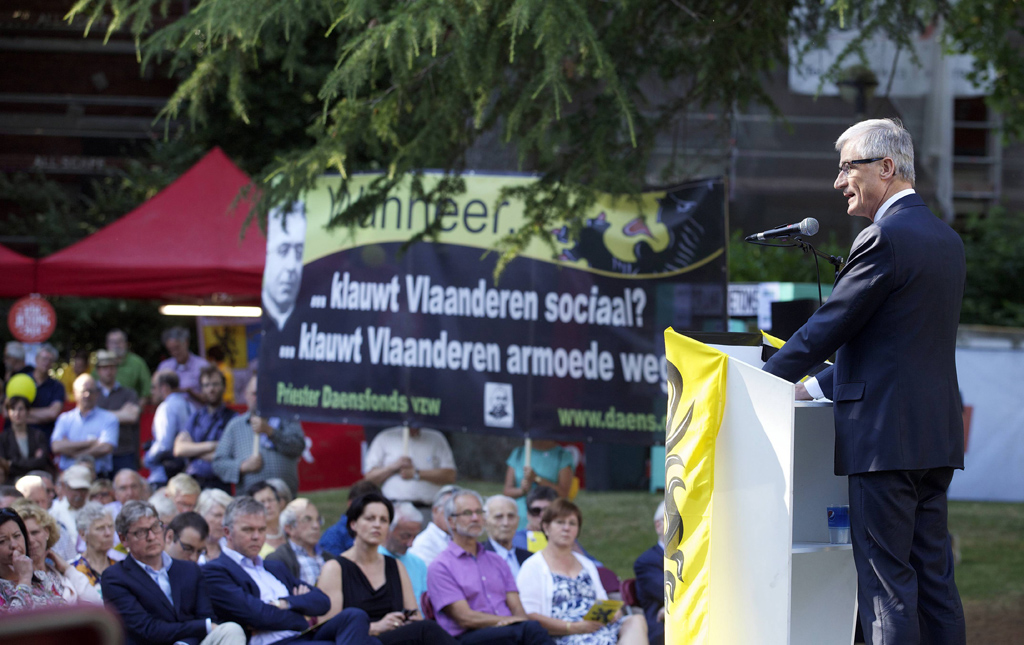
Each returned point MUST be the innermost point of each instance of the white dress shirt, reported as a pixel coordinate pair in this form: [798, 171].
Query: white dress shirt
[271, 590]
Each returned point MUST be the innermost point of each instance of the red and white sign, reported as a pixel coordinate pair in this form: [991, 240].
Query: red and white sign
[32, 319]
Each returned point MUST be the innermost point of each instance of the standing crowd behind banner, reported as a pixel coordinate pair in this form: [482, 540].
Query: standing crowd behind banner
[215, 547]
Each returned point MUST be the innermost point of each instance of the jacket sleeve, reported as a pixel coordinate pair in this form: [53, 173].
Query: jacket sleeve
[232, 603]
[313, 603]
[289, 440]
[650, 580]
[861, 288]
[226, 464]
[140, 624]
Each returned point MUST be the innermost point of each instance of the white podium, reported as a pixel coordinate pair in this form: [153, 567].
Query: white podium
[775, 579]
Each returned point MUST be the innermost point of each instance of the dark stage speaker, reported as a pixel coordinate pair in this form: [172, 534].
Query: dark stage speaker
[787, 317]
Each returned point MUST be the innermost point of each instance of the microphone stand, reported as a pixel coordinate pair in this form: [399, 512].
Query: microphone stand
[807, 247]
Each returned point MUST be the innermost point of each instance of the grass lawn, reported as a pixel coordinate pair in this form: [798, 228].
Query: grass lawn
[617, 527]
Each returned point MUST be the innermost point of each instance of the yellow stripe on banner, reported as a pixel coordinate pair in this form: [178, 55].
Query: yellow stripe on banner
[696, 390]
[768, 339]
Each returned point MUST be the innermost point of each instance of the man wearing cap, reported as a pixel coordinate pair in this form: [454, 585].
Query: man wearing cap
[132, 371]
[49, 401]
[86, 430]
[124, 403]
[75, 482]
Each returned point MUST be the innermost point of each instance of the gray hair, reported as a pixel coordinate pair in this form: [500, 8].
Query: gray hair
[882, 138]
[131, 513]
[163, 504]
[212, 496]
[406, 512]
[49, 349]
[442, 495]
[449, 506]
[242, 506]
[14, 349]
[659, 513]
[175, 333]
[169, 378]
[500, 498]
[89, 513]
[284, 492]
[290, 514]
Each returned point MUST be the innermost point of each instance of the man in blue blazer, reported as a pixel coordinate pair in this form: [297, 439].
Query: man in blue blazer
[649, 569]
[892, 319]
[160, 600]
[264, 597]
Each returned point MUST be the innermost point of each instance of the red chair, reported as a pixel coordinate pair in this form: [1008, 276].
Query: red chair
[427, 607]
[629, 592]
[609, 581]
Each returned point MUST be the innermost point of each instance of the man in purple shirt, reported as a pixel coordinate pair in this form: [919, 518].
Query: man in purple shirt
[473, 591]
[182, 361]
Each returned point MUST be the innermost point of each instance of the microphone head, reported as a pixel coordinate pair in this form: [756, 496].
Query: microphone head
[809, 226]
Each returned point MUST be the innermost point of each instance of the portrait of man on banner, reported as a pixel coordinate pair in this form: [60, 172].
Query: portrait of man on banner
[282, 274]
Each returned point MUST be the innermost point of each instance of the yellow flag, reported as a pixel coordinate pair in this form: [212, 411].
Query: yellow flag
[696, 389]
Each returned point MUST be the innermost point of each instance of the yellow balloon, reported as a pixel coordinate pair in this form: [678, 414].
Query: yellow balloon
[22, 385]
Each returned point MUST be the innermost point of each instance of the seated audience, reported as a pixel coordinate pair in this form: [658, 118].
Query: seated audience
[38, 487]
[266, 494]
[650, 581]
[165, 508]
[174, 409]
[52, 572]
[161, 601]
[434, 538]
[404, 528]
[197, 442]
[472, 590]
[280, 445]
[24, 448]
[75, 483]
[336, 539]
[533, 539]
[212, 504]
[284, 491]
[363, 578]
[18, 590]
[86, 430]
[264, 596]
[128, 485]
[8, 494]
[185, 537]
[184, 491]
[96, 527]
[559, 586]
[502, 522]
[550, 465]
[304, 558]
[102, 491]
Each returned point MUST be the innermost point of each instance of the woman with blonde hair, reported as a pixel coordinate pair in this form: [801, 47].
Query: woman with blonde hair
[211, 505]
[59, 577]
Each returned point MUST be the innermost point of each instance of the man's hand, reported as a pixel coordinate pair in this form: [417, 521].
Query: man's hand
[661, 615]
[403, 466]
[510, 620]
[801, 394]
[252, 464]
[301, 589]
[260, 426]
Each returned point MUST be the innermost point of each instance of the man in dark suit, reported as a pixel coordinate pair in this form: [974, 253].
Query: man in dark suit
[159, 599]
[893, 318]
[502, 521]
[265, 597]
[650, 581]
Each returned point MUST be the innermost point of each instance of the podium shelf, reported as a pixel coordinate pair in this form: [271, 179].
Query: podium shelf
[817, 547]
[812, 404]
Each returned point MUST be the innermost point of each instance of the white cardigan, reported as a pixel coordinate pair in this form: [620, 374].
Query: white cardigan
[537, 584]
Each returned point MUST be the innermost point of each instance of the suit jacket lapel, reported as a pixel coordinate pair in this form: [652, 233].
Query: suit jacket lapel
[172, 572]
[136, 570]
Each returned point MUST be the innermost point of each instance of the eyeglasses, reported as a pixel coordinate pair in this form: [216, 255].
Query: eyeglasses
[846, 166]
[309, 520]
[468, 514]
[156, 529]
[536, 511]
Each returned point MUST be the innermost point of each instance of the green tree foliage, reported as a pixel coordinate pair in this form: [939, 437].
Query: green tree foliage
[755, 263]
[995, 266]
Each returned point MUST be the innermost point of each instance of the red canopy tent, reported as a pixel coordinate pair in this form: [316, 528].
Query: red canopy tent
[182, 244]
[17, 274]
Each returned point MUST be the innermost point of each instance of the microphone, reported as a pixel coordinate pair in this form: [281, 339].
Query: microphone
[807, 227]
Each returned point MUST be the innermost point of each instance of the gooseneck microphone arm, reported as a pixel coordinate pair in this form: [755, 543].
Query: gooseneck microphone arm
[793, 231]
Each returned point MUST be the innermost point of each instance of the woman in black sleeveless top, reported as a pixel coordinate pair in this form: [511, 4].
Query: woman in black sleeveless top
[379, 585]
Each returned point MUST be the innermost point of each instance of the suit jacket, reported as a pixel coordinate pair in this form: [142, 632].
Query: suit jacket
[149, 619]
[521, 554]
[650, 588]
[22, 464]
[893, 317]
[237, 598]
[286, 555]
